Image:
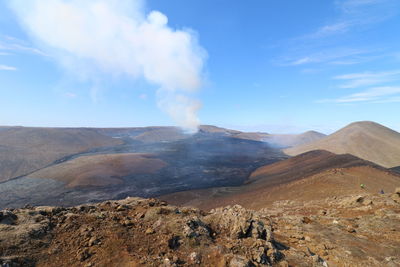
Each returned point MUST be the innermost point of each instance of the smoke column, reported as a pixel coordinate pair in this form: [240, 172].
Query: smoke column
[118, 37]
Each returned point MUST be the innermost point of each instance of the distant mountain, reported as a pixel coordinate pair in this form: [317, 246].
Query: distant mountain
[283, 140]
[154, 134]
[215, 130]
[366, 140]
[255, 136]
[290, 140]
[26, 149]
[168, 134]
[310, 176]
[161, 134]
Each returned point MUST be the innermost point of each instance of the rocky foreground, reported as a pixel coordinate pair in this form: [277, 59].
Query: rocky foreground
[362, 230]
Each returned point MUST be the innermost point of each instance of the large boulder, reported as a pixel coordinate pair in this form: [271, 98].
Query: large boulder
[248, 232]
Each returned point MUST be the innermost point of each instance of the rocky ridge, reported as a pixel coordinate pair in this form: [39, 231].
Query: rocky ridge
[357, 230]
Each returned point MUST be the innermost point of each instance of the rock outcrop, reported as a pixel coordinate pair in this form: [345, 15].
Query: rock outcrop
[358, 230]
[136, 232]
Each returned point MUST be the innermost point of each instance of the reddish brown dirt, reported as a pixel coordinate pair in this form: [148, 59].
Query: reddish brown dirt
[136, 232]
[304, 165]
[101, 170]
[310, 176]
[356, 230]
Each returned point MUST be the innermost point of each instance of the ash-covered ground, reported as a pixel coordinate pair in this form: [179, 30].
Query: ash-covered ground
[199, 161]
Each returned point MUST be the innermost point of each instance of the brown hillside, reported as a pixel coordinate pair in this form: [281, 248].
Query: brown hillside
[100, 170]
[304, 165]
[366, 140]
[310, 176]
[23, 150]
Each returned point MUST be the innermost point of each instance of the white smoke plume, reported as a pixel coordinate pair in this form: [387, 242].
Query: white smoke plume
[120, 37]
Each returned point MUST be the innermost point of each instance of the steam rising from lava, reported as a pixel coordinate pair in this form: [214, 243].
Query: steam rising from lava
[119, 37]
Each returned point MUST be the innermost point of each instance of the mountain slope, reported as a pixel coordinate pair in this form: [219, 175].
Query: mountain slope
[366, 140]
[25, 149]
[100, 170]
[310, 176]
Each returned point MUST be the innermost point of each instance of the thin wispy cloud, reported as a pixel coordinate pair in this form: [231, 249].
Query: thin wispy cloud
[333, 56]
[355, 80]
[377, 87]
[353, 17]
[357, 13]
[7, 68]
[335, 28]
[372, 94]
[9, 43]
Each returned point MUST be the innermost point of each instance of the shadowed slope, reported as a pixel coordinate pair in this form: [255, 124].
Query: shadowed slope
[304, 165]
[366, 140]
[396, 169]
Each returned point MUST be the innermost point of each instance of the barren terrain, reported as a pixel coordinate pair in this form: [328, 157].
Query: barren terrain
[355, 230]
[101, 170]
[203, 160]
[310, 176]
[366, 140]
[24, 150]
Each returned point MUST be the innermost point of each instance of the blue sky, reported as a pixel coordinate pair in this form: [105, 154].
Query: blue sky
[275, 66]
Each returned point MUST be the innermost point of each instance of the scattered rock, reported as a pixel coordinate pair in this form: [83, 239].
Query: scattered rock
[174, 242]
[7, 217]
[83, 255]
[149, 231]
[93, 241]
[240, 223]
[350, 229]
[122, 208]
[306, 220]
[127, 223]
[195, 258]
[240, 261]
